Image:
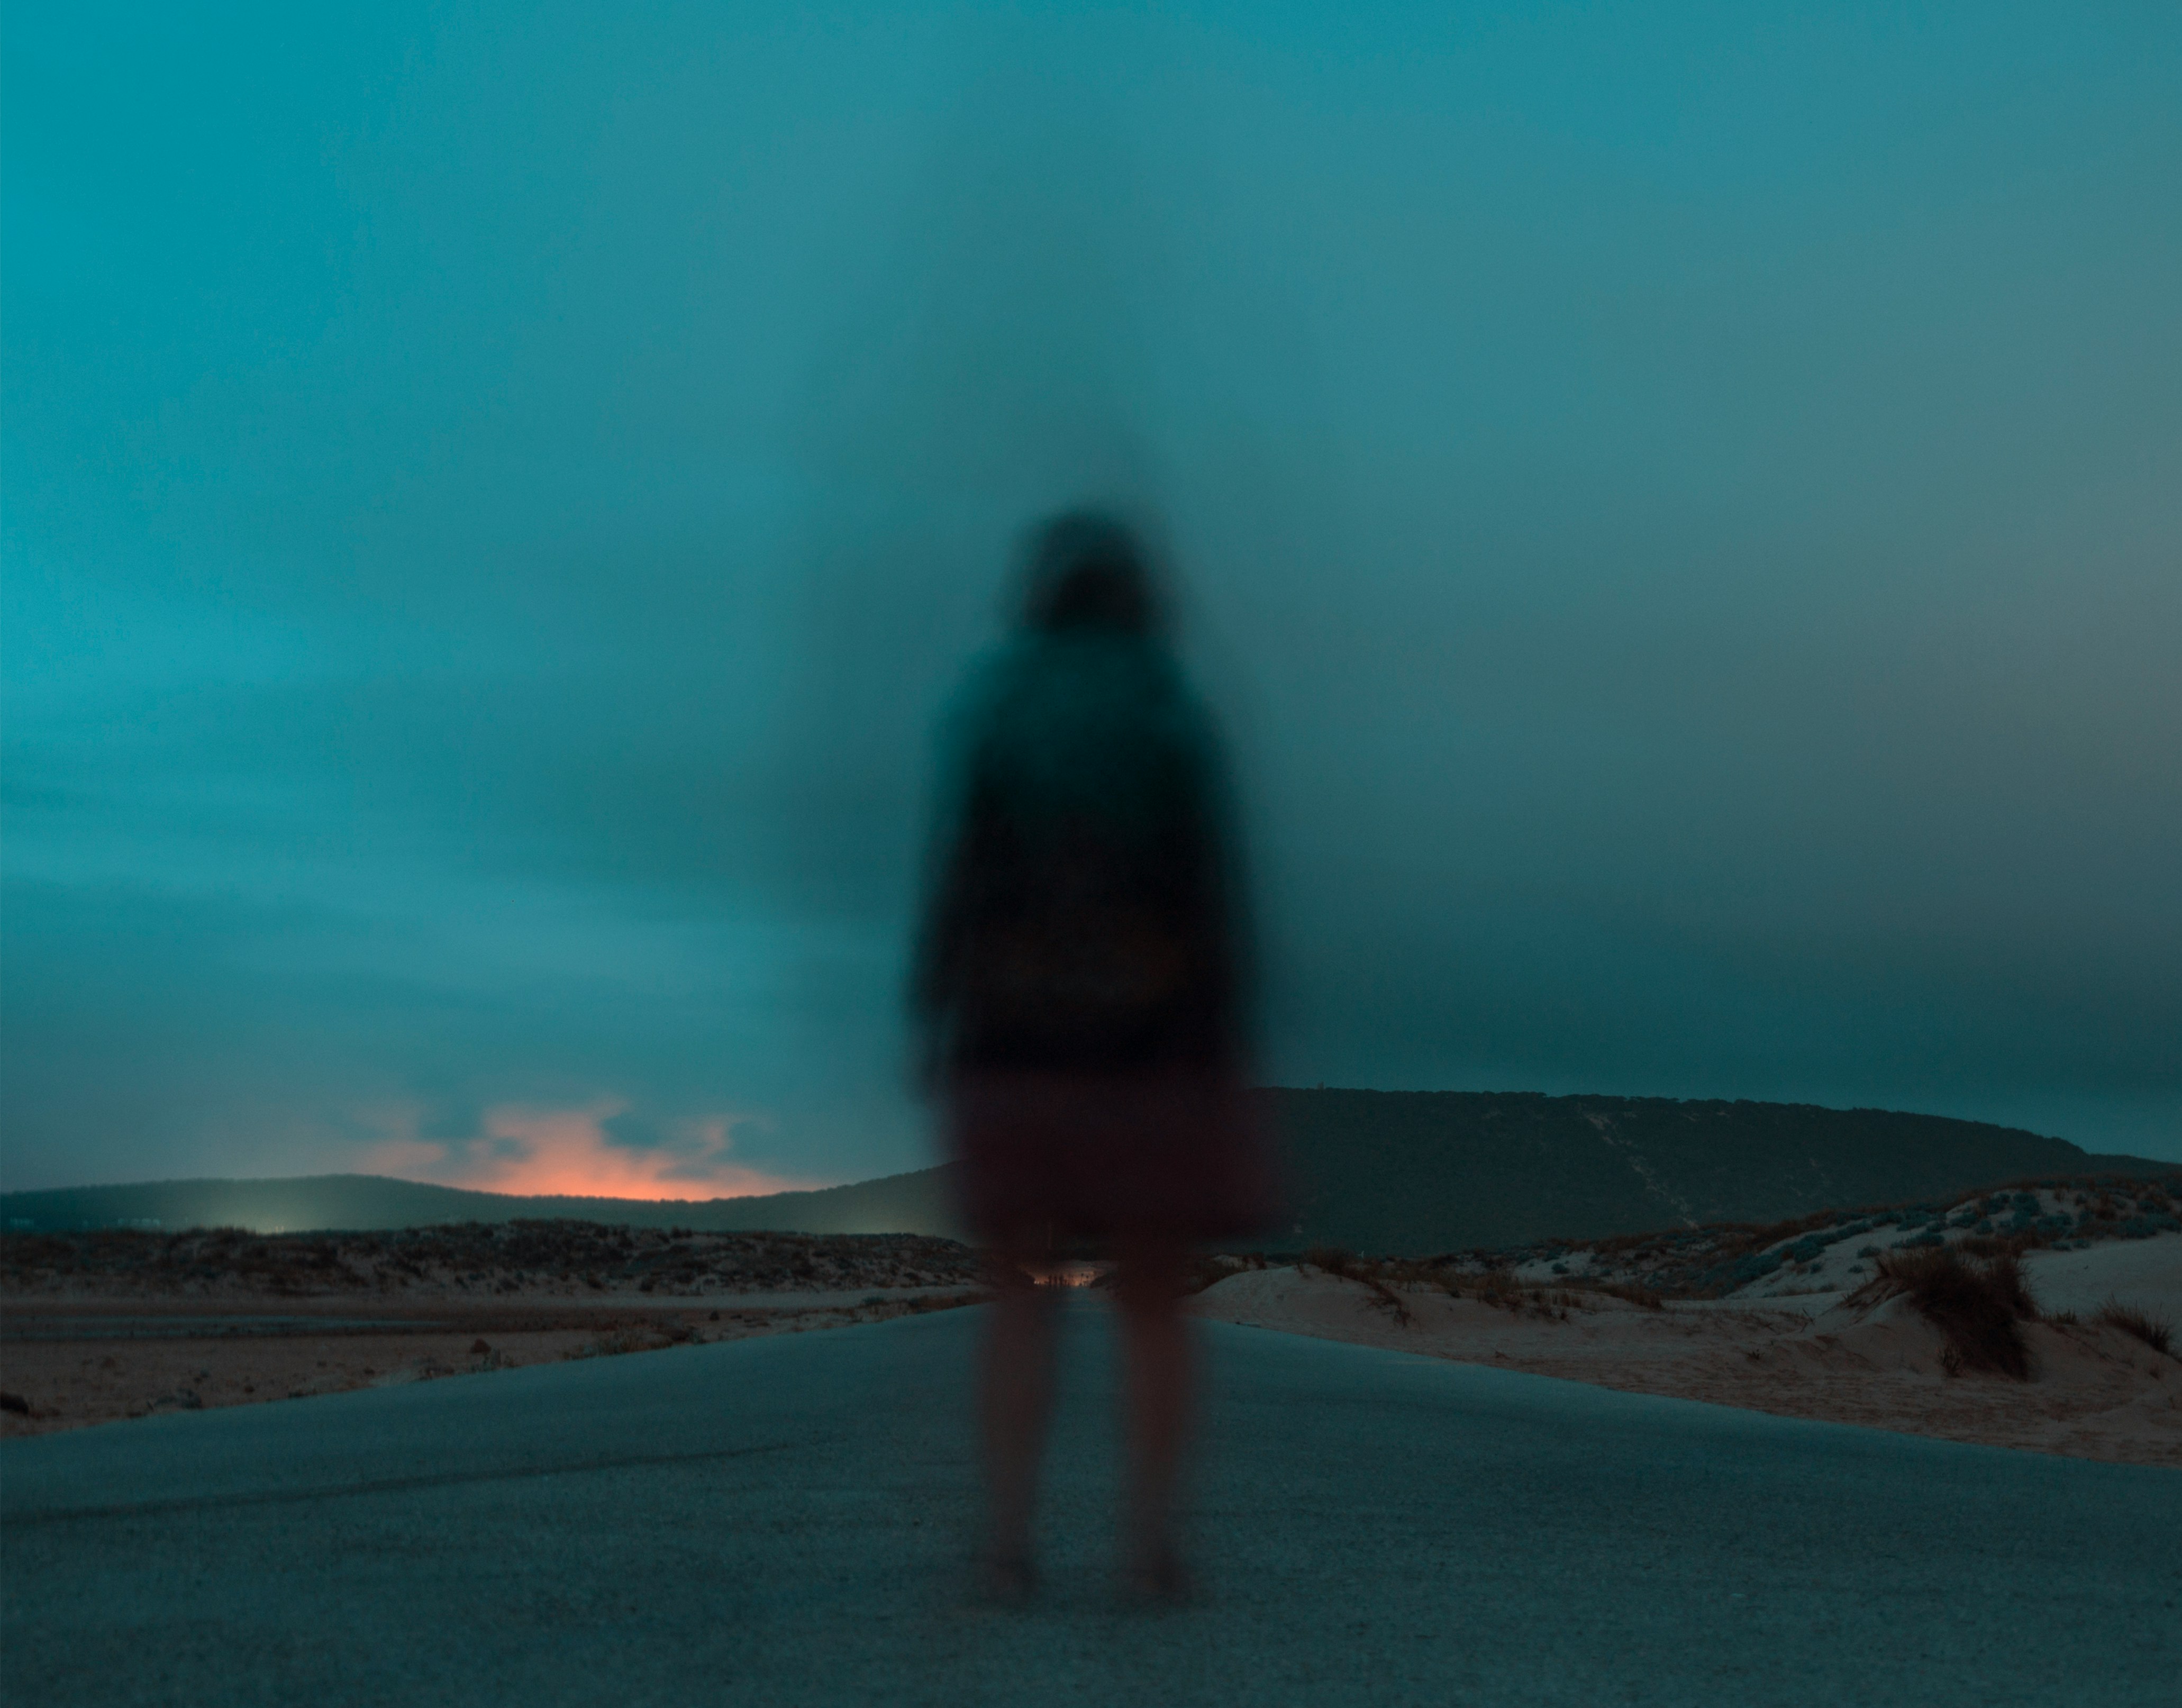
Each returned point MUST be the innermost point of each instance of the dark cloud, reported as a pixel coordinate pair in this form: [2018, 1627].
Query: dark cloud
[1679, 523]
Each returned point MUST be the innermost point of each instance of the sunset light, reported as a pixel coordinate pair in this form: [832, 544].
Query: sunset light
[569, 1153]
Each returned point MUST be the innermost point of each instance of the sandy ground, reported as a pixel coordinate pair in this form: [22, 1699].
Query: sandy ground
[100, 1327]
[106, 1324]
[2095, 1392]
[2147, 1273]
[76, 1361]
[1836, 1251]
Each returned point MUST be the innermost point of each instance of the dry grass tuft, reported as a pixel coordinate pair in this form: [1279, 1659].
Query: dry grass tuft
[1332, 1260]
[1979, 1308]
[641, 1337]
[1388, 1301]
[1635, 1292]
[1388, 1277]
[2156, 1334]
[1499, 1287]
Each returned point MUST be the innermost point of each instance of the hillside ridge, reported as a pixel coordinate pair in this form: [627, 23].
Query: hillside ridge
[1395, 1172]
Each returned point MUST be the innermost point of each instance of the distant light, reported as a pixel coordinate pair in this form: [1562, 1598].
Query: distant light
[1071, 1274]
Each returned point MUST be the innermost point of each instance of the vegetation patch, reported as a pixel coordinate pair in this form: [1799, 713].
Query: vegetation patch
[1331, 1259]
[1978, 1306]
[2156, 1334]
[476, 1258]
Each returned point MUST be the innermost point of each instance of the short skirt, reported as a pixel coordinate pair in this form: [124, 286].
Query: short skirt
[1175, 1154]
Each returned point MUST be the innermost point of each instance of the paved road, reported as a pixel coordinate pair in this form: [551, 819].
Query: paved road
[782, 1520]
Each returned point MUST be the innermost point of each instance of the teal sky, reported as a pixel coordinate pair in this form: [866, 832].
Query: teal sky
[1681, 510]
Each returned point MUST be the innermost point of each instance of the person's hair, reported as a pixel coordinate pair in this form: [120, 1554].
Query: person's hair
[1088, 571]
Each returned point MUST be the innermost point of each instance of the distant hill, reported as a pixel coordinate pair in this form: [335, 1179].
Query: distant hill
[1395, 1172]
[1412, 1172]
[914, 1203]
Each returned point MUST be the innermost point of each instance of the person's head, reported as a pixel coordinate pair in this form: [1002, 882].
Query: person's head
[1088, 571]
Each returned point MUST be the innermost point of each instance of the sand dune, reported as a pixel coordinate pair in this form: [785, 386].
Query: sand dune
[2095, 1392]
[103, 1326]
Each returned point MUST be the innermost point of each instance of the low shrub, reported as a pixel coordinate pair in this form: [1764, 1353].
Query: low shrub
[1634, 1292]
[1757, 1266]
[1977, 1307]
[1499, 1287]
[1388, 1301]
[2156, 1334]
[1333, 1260]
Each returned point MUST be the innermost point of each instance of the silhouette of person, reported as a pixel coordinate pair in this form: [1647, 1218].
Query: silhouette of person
[1080, 989]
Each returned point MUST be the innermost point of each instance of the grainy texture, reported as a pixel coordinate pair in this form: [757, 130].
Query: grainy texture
[786, 1521]
[2095, 1393]
[471, 1259]
[103, 1326]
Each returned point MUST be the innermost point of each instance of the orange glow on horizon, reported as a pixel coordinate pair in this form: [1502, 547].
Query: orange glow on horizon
[565, 1153]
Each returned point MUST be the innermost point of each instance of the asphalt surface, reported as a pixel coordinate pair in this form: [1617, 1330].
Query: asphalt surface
[786, 1520]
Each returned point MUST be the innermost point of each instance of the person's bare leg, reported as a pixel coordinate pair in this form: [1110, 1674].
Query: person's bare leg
[1016, 1403]
[1161, 1372]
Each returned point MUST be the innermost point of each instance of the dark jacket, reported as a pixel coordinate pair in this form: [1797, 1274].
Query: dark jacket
[1083, 909]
